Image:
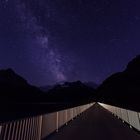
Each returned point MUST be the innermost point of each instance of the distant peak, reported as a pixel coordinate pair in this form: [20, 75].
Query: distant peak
[134, 64]
[10, 70]
[9, 76]
[7, 70]
[91, 84]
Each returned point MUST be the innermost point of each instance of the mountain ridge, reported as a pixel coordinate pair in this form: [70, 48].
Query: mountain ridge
[123, 88]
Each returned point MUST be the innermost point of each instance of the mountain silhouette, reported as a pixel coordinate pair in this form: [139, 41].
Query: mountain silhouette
[8, 76]
[46, 88]
[123, 88]
[14, 88]
[91, 84]
[72, 92]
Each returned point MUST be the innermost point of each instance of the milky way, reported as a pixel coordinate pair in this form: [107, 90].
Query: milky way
[51, 58]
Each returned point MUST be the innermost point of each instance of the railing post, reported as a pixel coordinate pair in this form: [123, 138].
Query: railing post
[66, 117]
[9, 131]
[5, 133]
[128, 118]
[23, 130]
[28, 132]
[40, 127]
[138, 119]
[57, 122]
[0, 130]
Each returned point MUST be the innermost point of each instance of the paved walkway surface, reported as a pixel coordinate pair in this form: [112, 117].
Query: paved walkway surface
[96, 124]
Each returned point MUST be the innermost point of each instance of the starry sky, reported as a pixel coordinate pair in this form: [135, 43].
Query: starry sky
[49, 41]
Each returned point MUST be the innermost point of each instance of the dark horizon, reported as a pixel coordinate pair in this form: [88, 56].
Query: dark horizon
[51, 41]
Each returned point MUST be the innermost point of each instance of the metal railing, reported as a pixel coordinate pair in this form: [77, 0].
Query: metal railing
[37, 128]
[128, 116]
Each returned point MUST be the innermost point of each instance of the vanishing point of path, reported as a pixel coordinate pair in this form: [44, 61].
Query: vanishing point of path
[96, 124]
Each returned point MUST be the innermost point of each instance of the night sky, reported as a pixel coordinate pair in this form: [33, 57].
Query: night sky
[48, 41]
